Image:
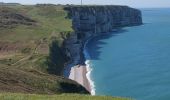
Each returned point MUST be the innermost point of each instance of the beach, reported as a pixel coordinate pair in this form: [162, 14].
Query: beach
[78, 74]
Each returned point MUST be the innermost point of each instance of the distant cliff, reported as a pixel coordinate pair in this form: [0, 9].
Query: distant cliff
[99, 19]
[26, 63]
[89, 21]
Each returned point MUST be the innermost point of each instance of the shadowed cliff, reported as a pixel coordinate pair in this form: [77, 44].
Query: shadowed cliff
[91, 21]
[26, 34]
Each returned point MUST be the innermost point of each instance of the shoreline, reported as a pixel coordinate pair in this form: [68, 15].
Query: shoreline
[82, 73]
[78, 74]
[95, 22]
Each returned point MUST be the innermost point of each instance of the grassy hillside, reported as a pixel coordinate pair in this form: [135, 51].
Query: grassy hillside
[50, 20]
[25, 36]
[8, 96]
[27, 46]
[32, 81]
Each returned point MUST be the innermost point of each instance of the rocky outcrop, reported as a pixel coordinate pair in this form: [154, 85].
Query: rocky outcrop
[90, 21]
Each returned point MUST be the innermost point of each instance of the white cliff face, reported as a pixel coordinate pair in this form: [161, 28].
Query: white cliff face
[89, 21]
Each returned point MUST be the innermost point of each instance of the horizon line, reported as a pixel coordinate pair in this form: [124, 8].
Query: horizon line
[85, 4]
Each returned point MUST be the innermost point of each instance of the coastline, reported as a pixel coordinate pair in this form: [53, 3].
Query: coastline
[78, 74]
[96, 21]
[82, 73]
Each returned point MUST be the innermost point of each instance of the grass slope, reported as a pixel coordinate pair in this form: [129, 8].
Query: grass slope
[27, 46]
[32, 81]
[50, 21]
[8, 96]
[24, 49]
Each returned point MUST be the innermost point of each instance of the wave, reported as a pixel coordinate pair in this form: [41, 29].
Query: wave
[88, 75]
[89, 69]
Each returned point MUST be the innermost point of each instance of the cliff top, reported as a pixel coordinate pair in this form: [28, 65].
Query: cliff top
[26, 32]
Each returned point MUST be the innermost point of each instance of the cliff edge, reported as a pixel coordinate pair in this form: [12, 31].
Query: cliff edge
[31, 62]
[90, 21]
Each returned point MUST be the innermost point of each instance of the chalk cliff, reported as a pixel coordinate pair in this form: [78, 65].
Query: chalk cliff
[90, 21]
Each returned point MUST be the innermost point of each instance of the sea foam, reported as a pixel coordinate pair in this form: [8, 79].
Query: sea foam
[89, 69]
[88, 75]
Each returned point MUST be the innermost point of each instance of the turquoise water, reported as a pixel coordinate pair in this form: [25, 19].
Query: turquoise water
[134, 62]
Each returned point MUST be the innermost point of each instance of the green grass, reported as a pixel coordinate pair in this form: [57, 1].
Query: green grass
[9, 96]
[25, 68]
[35, 81]
[26, 71]
[49, 20]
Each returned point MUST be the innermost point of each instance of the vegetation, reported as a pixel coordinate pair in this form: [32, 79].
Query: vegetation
[8, 96]
[34, 81]
[50, 21]
[28, 54]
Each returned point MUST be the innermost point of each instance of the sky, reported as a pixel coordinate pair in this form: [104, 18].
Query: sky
[132, 3]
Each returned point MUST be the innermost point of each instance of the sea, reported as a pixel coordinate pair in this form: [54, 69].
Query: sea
[133, 61]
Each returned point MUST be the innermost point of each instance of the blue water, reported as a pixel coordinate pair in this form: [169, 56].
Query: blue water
[134, 62]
